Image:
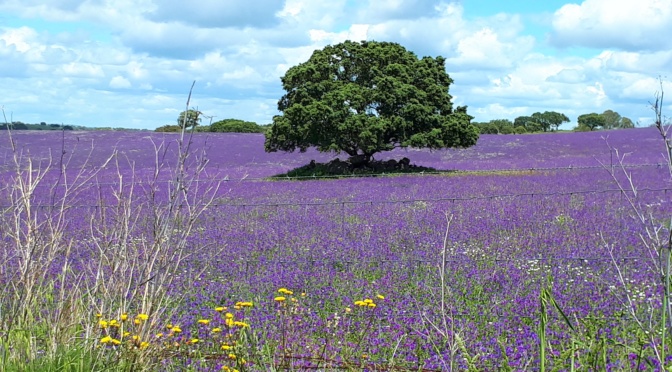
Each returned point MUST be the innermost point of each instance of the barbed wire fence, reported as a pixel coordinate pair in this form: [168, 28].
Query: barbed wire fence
[539, 266]
[222, 177]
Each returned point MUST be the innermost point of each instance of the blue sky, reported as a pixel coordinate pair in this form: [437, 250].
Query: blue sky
[130, 63]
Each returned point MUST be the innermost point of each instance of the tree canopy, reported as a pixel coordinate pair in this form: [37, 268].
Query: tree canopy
[189, 118]
[497, 126]
[365, 97]
[550, 119]
[541, 121]
[613, 120]
[591, 121]
[236, 126]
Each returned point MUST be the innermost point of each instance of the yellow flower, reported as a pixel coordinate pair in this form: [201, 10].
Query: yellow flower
[193, 341]
[229, 316]
[142, 316]
[368, 301]
[381, 297]
[216, 330]
[169, 326]
[360, 303]
[285, 291]
[204, 321]
[241, 324]
[229, 322]
[144, 344]
[159, 335]
[244, 304]
[219, 309]
[227, 347]
[106, 340]
[176, 329]
[232, 356]
[372, 305]
[127, 333]
[280, 298]
[124, 317]
[102, 324]
[137, 321]
[135, 337]
[347, 309]
[115, 341]
[114, 323]
[98, 315]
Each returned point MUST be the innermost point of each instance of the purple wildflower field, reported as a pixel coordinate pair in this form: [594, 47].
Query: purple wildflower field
[529, 213]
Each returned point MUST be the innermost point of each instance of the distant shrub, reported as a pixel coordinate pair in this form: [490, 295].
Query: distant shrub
[168, 128]
[519, 130]
[486, 128]
[506, 130]
[581, 128]
[235, 126]
[14, 126]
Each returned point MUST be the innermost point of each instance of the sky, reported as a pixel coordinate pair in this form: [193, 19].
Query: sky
[130, 63]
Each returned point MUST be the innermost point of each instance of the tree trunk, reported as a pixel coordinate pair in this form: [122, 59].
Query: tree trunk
[359, 160]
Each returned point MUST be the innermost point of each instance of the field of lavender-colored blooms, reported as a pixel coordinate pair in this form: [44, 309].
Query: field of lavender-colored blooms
[529, 212]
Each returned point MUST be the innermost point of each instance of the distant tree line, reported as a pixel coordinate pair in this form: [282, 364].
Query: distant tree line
[551, 121]
[18, 125]
[192, 118]
[539, 122]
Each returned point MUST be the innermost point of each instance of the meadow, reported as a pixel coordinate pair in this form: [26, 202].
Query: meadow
[142, 251]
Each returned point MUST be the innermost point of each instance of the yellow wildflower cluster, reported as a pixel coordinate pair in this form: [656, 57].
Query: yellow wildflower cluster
[230, 322]
[109, 340]
[114, 331]
[241, 304]
[224, 330]
[366, 303]
[285, 291]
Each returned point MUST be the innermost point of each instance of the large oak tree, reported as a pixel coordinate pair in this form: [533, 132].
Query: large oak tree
[363, 98]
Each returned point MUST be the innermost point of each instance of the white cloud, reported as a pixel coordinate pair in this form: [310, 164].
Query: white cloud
[385, 10]
[217, 13]
[568, 76]
[629, 25]
[356, 32]
[120, 82]
[484, 50]
[19, 38]
[77, 69]
[110, 54]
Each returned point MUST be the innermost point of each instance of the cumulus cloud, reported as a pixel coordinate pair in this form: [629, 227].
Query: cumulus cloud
[217, 13]
[484, 50]
[642, 25]
[568, 76]
[385, 10]
[115, 54]
[120, 82]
